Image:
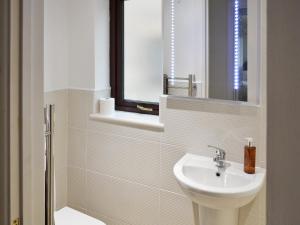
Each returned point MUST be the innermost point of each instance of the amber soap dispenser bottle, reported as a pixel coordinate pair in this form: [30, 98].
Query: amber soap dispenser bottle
[249, 157]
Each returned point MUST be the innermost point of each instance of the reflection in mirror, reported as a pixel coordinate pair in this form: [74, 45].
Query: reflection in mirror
[227, 41]
[184, 49]
[217, 41]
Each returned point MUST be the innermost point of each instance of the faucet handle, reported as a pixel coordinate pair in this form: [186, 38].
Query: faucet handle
[219, 151]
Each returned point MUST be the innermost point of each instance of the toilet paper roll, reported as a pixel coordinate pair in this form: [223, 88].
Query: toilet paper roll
[107, 106]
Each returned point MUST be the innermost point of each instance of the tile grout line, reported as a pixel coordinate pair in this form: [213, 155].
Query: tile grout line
[134, 182]
[85, 170]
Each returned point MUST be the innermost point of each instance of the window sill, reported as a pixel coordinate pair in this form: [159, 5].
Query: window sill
[135, 120]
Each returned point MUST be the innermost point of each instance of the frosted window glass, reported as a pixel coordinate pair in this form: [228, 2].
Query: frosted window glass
[143, 50]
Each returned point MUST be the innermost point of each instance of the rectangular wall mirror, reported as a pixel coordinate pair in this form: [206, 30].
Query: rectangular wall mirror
[212, 49]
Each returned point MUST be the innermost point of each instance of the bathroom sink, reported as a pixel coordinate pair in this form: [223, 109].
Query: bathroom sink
[220, 193]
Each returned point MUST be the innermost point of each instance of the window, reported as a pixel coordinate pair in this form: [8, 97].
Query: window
[136, 52]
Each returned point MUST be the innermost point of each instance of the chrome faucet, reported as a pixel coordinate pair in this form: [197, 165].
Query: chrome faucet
[220, 157]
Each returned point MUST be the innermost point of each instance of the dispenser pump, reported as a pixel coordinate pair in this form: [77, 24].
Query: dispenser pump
[250, 141]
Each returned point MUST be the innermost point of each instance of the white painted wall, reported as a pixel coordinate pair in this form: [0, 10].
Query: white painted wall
[89, 44]
[76, 44]
[81, 52]
[56, 45]
[101, 44]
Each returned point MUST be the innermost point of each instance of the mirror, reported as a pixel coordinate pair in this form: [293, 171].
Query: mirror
[212, 50]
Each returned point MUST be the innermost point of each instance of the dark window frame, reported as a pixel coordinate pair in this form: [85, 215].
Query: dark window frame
[117, 64]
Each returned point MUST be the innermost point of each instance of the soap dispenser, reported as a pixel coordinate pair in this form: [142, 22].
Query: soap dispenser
[249, 157]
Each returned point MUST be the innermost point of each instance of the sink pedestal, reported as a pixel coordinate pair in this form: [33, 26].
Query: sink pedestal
[208, 216]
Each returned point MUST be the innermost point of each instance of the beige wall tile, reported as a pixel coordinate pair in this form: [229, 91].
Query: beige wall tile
[175, 209]
[257, 208]
[78, 108]
[128, 158]
[196, 130]
[61, 190]
[169, 156]
[126, 201]
[251, 220]
[77, 148]
[76, 187]
[124, 131]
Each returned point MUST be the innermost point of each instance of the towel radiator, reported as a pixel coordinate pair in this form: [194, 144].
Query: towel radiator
[191, 81]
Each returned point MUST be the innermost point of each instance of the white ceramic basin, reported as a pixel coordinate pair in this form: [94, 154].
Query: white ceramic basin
[197, 176]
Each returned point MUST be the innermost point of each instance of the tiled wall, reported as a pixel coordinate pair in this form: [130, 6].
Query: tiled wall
[123, 175]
